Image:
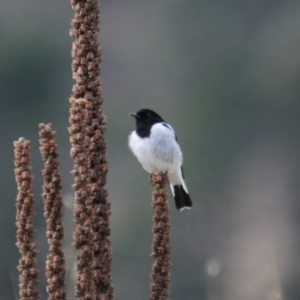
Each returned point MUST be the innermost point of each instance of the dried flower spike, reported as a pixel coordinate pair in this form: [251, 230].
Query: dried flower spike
[83, 236]
[160, 289]
[25, 213]
[88, 148]
[55, 271]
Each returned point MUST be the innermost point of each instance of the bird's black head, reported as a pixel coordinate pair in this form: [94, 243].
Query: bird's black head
[144, 119]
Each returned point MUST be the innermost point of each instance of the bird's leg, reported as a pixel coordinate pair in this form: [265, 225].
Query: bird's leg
[166, 177]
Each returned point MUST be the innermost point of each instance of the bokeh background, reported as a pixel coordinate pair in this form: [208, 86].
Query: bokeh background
[226, 75]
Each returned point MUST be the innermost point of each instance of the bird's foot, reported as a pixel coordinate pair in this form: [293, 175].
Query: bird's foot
[165, 177]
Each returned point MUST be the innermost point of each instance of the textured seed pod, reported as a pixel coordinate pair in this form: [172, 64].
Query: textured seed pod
[25, 212]
[160, 289]
[88, 148]
[55, 272]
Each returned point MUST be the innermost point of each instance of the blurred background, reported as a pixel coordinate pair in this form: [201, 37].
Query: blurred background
[225, 74]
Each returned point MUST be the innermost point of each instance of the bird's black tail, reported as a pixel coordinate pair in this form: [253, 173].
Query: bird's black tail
[182, 198]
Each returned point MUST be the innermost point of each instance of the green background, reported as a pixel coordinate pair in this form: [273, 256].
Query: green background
[225, 75]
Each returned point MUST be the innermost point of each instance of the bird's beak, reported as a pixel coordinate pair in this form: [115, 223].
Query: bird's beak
[134, 115]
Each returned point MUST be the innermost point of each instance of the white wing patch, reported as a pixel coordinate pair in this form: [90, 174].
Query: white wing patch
[168, 126]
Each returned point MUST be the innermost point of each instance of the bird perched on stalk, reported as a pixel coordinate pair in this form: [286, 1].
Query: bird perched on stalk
[155, 145]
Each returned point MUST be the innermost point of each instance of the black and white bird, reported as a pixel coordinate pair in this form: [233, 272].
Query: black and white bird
[155, 145]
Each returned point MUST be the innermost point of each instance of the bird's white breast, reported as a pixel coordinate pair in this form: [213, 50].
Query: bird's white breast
[159, 152]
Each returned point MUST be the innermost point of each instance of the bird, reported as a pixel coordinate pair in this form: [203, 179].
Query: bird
[156, 147]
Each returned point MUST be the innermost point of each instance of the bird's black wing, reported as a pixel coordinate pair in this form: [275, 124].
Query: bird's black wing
[169, 127]
[182, 173]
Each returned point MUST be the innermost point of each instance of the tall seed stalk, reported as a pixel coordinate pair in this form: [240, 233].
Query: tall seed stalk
[88, 148]
[160, 289]
[55, 263]
[25, 204]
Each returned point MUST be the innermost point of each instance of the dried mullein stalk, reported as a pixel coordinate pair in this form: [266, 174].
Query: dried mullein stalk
[160, 289]
[80, 113]
[88, 124]
[25, 203]
[55, 271]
